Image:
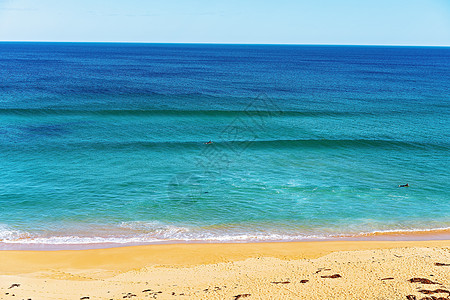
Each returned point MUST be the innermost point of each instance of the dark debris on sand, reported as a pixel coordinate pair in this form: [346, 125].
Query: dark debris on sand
[422, 280]
[129, 295]
[442, 265]
[322, 269]
[14, 285]
[280, 282]
[331, 276]
[437, 291]
[241, 296]
[304, 281]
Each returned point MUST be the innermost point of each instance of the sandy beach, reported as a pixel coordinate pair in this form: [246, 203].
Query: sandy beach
[296, 270]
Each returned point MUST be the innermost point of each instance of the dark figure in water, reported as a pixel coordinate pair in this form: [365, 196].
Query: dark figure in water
[210, 142]
[404, 185]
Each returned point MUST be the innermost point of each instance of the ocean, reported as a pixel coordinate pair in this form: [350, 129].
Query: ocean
[107, 143]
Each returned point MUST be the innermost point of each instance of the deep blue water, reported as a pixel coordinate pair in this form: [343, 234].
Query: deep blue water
[105, 142]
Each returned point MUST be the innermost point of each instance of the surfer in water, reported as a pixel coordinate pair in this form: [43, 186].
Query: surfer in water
[404, 185]
[210, 142]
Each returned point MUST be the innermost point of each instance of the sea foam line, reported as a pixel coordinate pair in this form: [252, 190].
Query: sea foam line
[168, 233]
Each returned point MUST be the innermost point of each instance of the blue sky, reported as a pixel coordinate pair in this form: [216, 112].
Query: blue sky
[385, 22]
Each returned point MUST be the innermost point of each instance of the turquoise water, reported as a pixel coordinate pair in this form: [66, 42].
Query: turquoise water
[105, 143]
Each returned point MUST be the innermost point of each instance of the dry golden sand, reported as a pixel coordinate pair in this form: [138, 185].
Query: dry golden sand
[306, 270]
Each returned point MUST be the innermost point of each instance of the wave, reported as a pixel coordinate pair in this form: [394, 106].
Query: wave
[338, 143]
[240, 145]
[80, 240]
[395, 232]
[9, 234]
[143, 239]
[175, 112]
[157, 233]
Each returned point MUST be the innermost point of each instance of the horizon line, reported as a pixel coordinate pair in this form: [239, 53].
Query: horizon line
[219, 43]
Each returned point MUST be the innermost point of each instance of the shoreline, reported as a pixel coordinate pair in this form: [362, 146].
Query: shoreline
[386, 236]
[292, 270]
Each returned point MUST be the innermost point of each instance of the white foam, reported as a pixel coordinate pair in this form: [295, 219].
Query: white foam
[76, 240]
[139, 232]
[153, 226]
[408, 230]
[7, 233]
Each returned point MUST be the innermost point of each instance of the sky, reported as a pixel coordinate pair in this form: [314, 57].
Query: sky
[361, 22]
